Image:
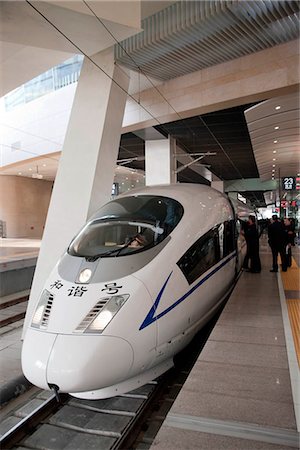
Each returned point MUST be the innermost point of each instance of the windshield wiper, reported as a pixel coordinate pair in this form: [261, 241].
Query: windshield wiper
[115, 251]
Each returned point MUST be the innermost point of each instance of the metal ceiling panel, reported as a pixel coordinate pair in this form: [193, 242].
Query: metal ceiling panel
[191, 35]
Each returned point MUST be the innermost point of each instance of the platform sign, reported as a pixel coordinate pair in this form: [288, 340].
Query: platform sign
[288, 183]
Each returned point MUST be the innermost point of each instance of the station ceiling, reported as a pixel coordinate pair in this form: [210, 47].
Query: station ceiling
[223, 132]
[189, 36]
[178, 38]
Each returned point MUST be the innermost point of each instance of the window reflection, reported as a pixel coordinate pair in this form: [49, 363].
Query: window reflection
[127, 225]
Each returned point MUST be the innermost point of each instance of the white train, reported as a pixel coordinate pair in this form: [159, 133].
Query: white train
[140, 279]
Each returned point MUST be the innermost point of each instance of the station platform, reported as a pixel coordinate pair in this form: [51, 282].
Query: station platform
[243, 391]
[18, 258]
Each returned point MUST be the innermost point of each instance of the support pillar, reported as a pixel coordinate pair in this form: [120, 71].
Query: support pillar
[217, 184]
[160, 162]
[86, 169]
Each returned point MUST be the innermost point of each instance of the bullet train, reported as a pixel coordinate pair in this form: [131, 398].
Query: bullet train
[145, 273]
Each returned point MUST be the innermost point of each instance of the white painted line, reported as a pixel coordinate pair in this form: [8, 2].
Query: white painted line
[279, 436]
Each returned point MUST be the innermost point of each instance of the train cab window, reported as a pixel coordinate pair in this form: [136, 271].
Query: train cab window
[127, 225]
[201, 256]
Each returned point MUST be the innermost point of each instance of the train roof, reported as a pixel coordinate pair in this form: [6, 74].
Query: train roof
[180, 191]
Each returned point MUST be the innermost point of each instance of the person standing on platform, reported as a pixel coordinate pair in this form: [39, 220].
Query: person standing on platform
[252, 239]
[245, 226]
[289, 240]
[276, 235]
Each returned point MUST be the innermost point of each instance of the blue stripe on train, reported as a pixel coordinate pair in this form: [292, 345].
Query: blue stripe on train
[150, 318]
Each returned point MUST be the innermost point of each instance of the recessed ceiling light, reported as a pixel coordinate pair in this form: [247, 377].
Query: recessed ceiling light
[277, 107]
[276, 128]
[30, 168]
[274, 165]
[275, 142]
[274, 151]
[274, 159]
[19, 173]
[44, 165]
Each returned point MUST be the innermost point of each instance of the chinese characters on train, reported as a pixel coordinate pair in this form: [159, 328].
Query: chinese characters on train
[78, 291]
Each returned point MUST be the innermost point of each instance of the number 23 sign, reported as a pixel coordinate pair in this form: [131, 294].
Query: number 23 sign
[288, 183]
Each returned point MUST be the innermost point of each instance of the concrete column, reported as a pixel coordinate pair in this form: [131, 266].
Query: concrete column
[160, 162]
[217, 184]
[86, 169]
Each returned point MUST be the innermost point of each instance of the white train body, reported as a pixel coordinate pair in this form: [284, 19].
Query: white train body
[107, 324]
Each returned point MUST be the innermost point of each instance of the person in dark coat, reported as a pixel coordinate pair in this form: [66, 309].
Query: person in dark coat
[276, 235]
[252, 239]
[289, 240]
[244, 233]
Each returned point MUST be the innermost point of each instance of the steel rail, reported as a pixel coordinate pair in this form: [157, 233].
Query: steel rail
[21, 429]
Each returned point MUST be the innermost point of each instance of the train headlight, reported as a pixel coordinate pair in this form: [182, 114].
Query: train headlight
[84, 276]
[102, 313]
[42, 312]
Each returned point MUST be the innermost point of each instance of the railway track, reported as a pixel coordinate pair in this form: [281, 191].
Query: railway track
[79, 424]
[13, 310]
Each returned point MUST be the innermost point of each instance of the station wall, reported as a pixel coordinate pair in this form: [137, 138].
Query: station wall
[24, 205]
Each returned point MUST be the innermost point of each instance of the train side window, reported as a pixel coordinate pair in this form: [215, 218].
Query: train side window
[201, 256]
[238, 227]
[229, 237]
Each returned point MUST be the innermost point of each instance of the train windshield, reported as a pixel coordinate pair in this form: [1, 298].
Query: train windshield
[127, 225]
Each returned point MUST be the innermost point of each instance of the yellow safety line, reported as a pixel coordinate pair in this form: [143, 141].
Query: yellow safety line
[291, 282]
[294, 315]
[291, 278]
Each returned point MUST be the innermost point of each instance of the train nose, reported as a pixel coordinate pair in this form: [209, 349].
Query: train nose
[35, 354]
[75, 363]
[84, 363]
